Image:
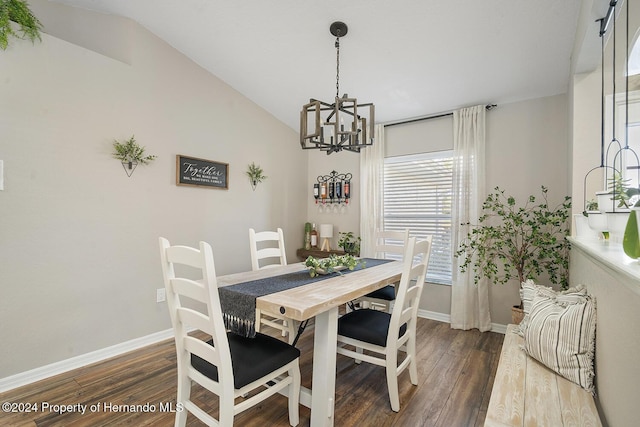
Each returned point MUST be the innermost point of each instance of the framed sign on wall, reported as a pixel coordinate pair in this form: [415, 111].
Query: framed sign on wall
[195, 172]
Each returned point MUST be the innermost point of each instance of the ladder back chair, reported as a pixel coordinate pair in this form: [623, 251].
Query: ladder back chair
[269, 246]
[276, 248]
[386, 335]
[387, 242]
[228, 365]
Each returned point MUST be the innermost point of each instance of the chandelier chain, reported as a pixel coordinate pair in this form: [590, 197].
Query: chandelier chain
[338, 66]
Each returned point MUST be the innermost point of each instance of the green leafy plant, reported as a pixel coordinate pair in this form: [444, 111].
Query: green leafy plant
[591, 205]
[334, 263]
[518, 242]
[621, 191]
[18, 11]
[349, 243]
[255, 174]
[130, 152]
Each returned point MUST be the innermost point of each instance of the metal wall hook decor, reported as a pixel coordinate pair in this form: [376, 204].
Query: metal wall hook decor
[129, 167]
[130, 154]
[333, 189]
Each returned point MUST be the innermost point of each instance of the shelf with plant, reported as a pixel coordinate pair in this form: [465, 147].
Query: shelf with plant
[332, 264]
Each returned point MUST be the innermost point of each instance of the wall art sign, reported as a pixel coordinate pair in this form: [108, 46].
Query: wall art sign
[196, 172]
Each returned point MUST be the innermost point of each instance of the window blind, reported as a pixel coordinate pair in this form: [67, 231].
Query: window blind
[417, 196]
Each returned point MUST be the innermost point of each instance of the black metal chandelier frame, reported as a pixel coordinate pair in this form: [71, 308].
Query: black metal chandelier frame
[356, 133]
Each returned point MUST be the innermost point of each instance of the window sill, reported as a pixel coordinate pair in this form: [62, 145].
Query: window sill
[610, 256]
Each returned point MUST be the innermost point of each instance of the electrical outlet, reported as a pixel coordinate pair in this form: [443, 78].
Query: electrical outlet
[161, 295]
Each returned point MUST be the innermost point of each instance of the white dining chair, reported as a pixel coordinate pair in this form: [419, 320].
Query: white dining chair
[269, 246]
[388, 245]
[226, 364]
[267, 249]
[386, 335]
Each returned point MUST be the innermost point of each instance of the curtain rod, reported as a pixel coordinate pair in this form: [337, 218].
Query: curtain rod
[437, 116]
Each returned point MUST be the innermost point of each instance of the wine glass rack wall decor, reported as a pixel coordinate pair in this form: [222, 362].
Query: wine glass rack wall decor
[332, 190]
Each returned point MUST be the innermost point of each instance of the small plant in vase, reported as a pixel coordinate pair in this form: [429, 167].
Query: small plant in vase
[622, 192]
[614, 206]
[131, 154]
[349, 243]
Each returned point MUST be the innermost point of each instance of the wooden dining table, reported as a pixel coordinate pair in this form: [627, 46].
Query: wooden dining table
[319, 300]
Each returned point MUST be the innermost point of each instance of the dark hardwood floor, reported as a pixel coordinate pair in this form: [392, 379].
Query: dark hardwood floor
[456, 372]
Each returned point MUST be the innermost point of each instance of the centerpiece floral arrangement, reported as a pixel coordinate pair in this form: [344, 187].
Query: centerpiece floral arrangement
[334, 263]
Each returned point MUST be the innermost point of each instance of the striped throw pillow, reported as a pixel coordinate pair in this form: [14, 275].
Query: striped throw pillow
[529, 289]
[561, 335]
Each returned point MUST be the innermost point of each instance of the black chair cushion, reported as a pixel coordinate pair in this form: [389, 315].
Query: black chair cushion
[367, 325]
[251, 358]
[388, 293]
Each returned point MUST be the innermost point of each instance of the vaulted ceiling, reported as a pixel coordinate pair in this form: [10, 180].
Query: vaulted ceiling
[412, 58]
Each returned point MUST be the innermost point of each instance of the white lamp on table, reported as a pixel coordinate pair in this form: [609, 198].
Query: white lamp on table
[326, 233]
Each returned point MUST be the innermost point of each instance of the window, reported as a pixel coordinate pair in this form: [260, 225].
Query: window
[417, 195]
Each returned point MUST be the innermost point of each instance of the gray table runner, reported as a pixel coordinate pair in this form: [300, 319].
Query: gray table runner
[238, 301]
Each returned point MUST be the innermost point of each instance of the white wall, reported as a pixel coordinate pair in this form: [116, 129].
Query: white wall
[78, 238]
[320, 164]
[617, 344]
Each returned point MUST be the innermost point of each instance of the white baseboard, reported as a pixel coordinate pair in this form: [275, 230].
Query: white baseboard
[433, 315]
[56, 368]
[446, 318]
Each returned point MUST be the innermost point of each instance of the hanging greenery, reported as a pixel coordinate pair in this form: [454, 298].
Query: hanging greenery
[130, 151]
[255, 174]
[17, 11]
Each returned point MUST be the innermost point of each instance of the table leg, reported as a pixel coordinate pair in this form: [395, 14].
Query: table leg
[323, 386]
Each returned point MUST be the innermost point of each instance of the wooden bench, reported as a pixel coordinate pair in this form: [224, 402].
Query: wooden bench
[527, 393]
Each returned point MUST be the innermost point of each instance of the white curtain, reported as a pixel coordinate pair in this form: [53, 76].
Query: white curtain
[371, 192]
[469, 302]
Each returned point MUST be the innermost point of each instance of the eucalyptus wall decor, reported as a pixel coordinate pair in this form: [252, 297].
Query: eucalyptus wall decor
[14, 12]
[255, 174]
[131, 154]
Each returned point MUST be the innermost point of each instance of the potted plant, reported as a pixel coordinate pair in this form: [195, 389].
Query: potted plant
[349, 243]
[620, 192]
[255, 174]
[518, 242]
[17, 11]
[130, 154]
[614, 206]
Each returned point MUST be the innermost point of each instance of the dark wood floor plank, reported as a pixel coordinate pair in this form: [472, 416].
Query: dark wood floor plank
[455, 372]
[469, 388]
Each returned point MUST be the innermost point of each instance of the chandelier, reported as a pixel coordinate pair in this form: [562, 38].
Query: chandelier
[342, 125]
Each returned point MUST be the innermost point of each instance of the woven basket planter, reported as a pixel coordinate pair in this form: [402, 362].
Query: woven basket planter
[517, 314]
